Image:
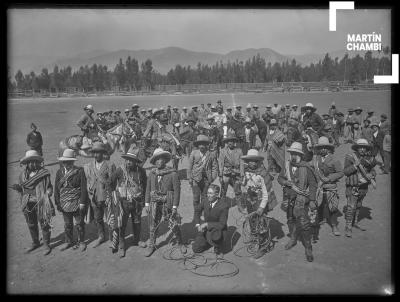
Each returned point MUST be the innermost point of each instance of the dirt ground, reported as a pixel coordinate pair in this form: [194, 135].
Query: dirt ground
[358, 265]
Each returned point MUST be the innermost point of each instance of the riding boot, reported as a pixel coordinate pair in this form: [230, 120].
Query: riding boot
[100, 231]
[306, 240]
[34, 230]
[293, 236]
[349, 216]
[151, 244]
[46, 241]
[81, 239]
[356, 221]
[136, 233]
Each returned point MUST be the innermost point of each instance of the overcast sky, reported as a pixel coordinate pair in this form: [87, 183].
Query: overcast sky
[65, 32]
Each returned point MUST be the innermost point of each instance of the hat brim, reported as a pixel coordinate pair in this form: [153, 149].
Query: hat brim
[164, 154]
[196, 143]
[98, 150]
[326, 146]
[356, 146]
[131, 157]
[308, 107]
[66, 158]
[295, 151]
[252, 157]
[31, 158]
[229, 139]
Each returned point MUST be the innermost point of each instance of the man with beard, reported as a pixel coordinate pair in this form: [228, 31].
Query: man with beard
[70, 197]
[202, 169]
[329, 171]
[360, 172]
[231, 168]
[36, 189]
[98, 174]
[258, 195]
[300, 185]
[162, 198]
[130, 180]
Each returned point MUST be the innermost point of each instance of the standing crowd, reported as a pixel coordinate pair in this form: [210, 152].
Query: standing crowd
[220, 143]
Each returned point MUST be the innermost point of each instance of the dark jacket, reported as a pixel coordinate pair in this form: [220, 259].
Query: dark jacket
[139, 177]
[34, 139]
[216, 217]
[169, 183]
[314, 121]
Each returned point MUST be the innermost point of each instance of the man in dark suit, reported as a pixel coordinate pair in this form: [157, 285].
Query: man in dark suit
[211, 232]
[35, 140]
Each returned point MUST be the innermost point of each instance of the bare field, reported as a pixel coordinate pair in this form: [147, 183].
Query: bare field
[360, 265]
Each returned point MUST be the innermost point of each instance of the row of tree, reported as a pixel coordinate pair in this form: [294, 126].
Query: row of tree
[128, 75]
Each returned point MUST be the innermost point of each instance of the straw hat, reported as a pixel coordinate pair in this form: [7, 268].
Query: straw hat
[294, 106]
[31, 155]
[98, 147]
[252, 154]
[255, 106]
[135, 106]
[127, 110]
[296, 147]
[132, 154]
[273, 122]
[248, 106]
[358, 109]
[68, 155]
[361, 142]
[201, 139]
[157, 110]
[374, 123]
[229, 137]
[159, 152]
[310, 106]
[323, 142]
[268, 106]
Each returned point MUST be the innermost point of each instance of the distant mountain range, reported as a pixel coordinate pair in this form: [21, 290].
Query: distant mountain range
[163, 59]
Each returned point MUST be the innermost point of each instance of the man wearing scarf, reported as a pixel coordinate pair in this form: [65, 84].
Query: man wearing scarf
[98, 174]
[360, 172]
[300, 185]
[258, 193]
[329, 171]
[130, 180]
[275, 147]
[70, 197]
[162, 197]
[35, 188]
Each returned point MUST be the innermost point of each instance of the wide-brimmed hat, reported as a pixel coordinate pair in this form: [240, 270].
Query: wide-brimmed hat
[374, 123]
[229, 108]
[229, 137]
[296, 147]
[157, 110]
[117, 111]
[201, 139]
[326, 114]
[132, 154]
[323, 142]
[248, 106]
[214, 236]
[273, 122]
[310, 106]
[268, 106]
[252, 154]
[143, 110]
[287, 105]
[195, 106]
[361, 142]
[190, 119]
[384, 116]
[31, 155]
[339, 113]
[255, 106]
[127, 110]
[159, 152]
[135, 105]
[350, 110]
[219, 101]
[358, 109]
[68, 155]
[98, 147]
[239, 106]
[184, 108]
[370, 111]
[88, 107]
[294, 105]
[248, 120]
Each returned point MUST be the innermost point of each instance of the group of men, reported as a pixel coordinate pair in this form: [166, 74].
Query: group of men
[310, 192]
